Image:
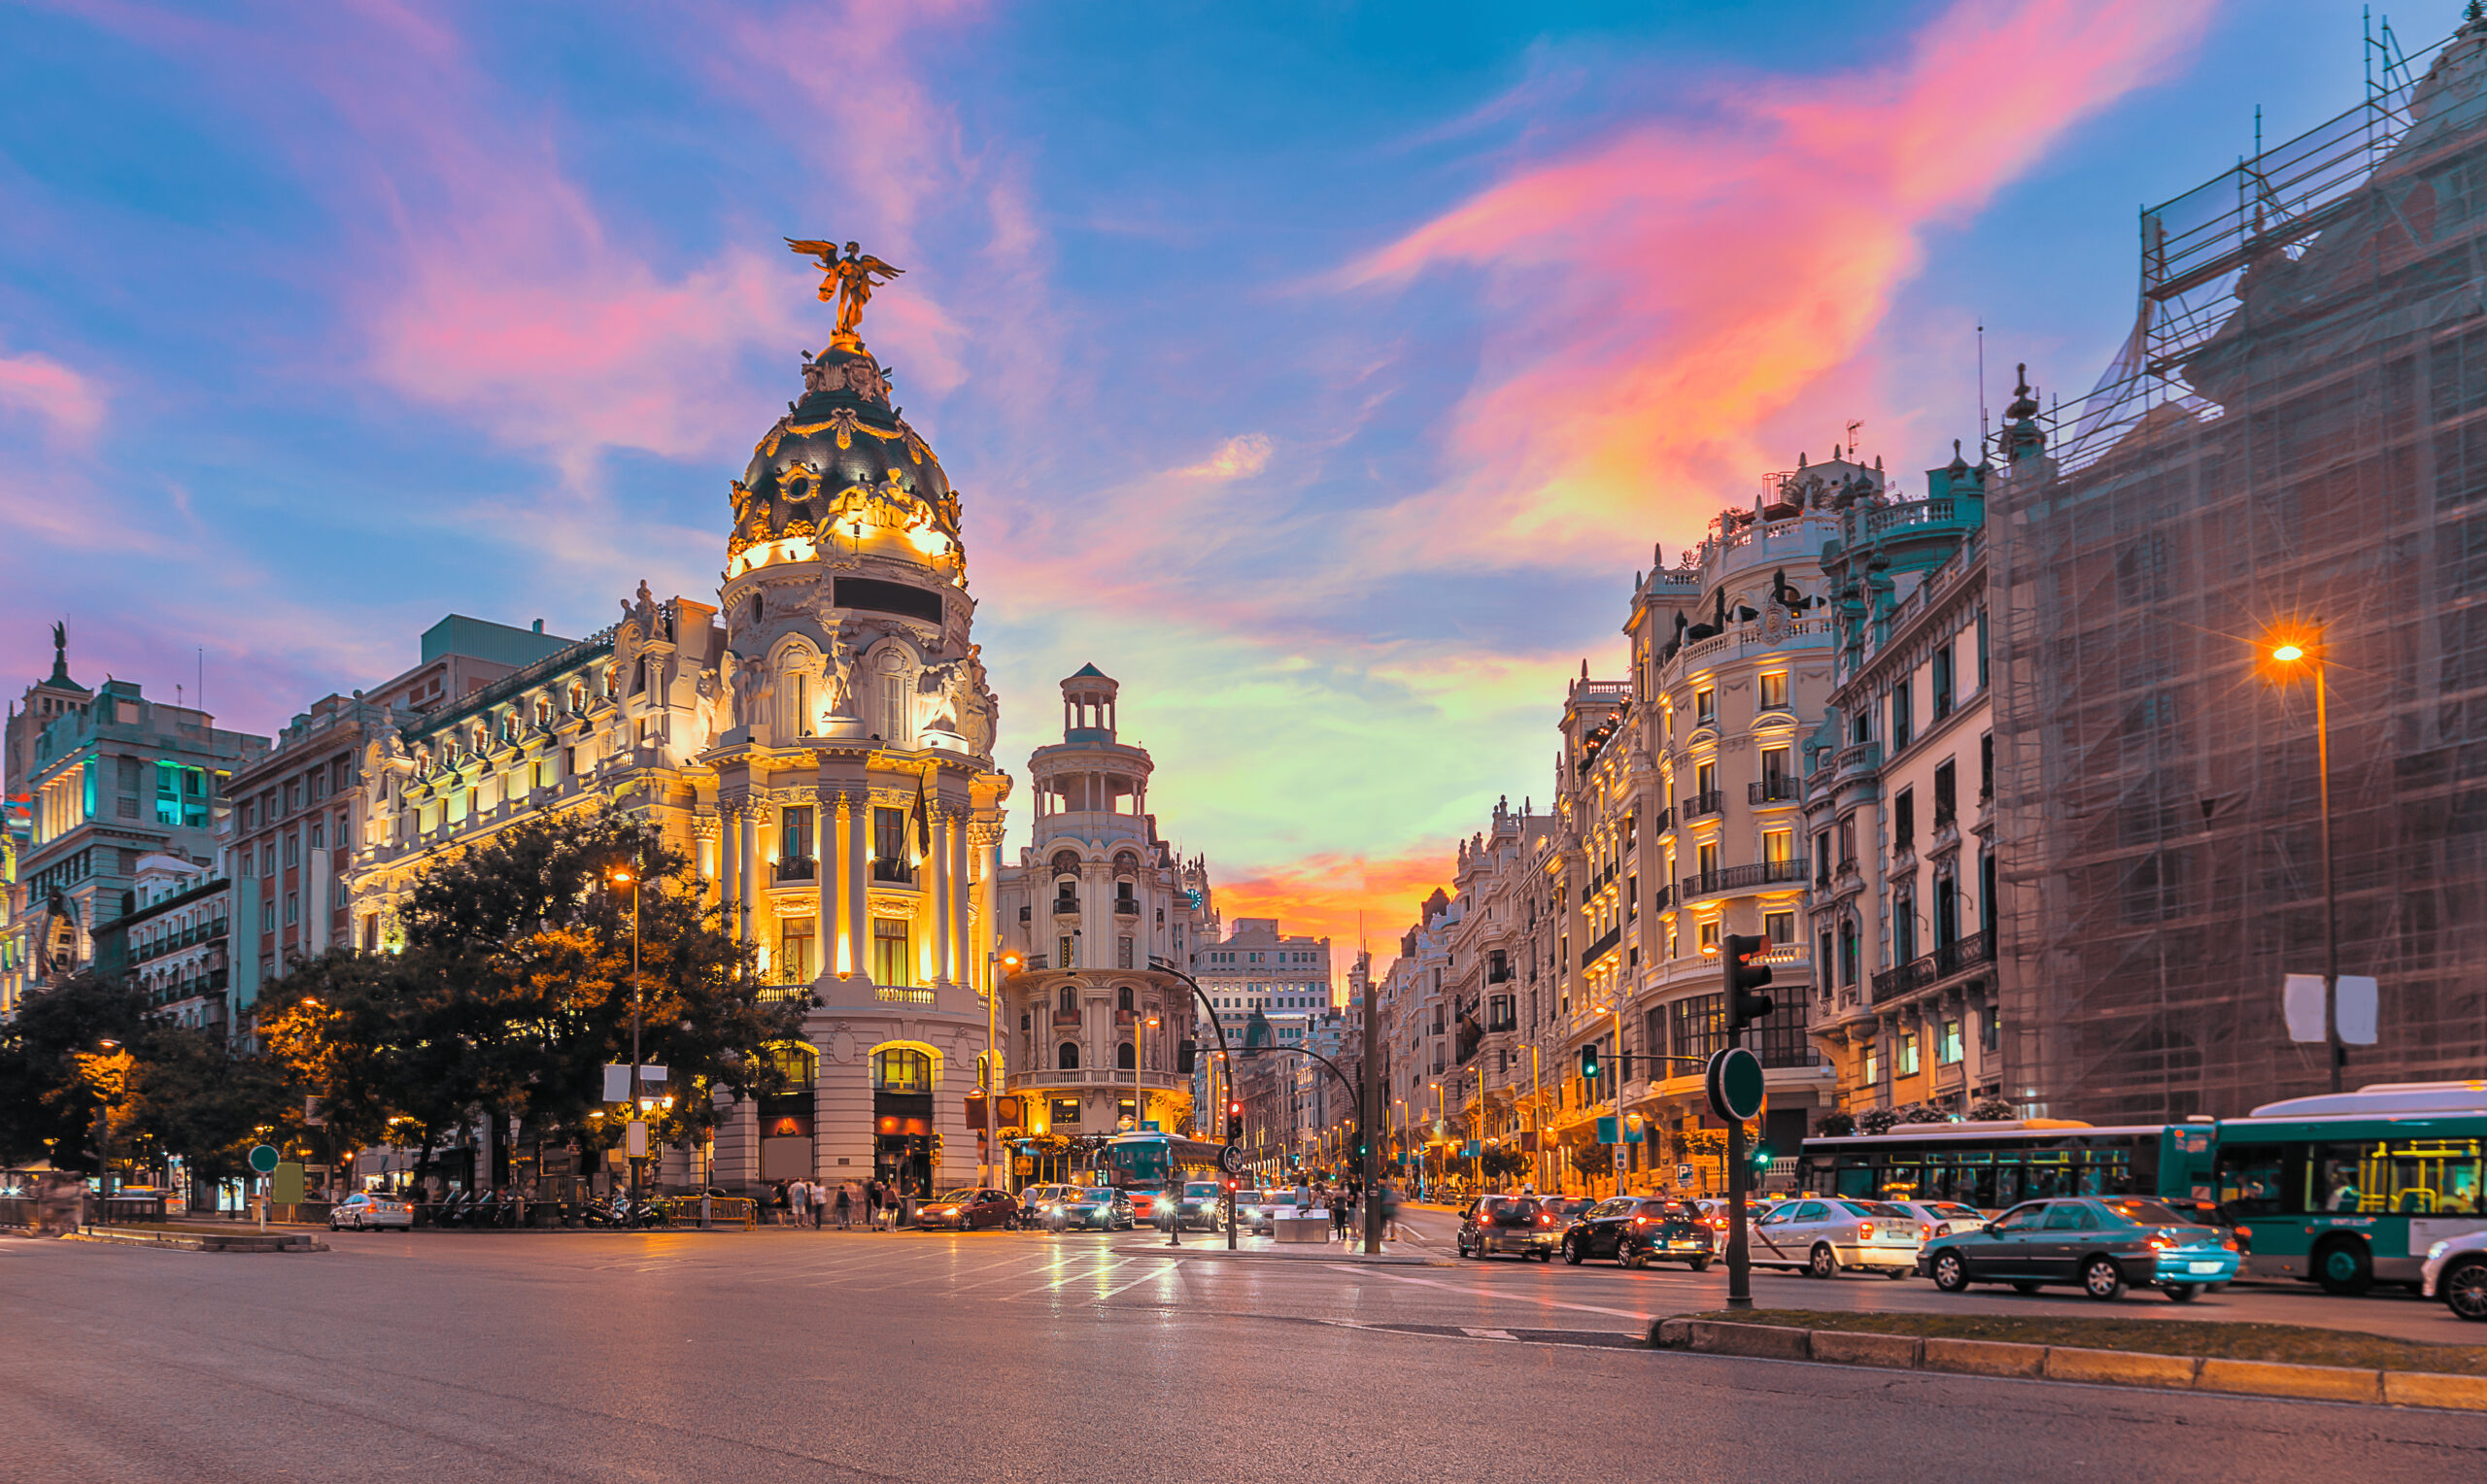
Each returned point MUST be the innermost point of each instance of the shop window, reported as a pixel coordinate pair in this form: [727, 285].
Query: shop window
[1065, 1110]
[901, 1069]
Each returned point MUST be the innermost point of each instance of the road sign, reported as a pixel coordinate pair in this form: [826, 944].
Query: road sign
[1684, 1174]
[284, 1184]
[1734, 1081]
[263, 1159]
[1231, 1159]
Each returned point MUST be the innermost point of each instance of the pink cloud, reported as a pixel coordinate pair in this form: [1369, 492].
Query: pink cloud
[70, 405]
[1657, 300]
[1338, 896]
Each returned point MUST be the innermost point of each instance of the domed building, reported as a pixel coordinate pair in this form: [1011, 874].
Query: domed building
[819, 741]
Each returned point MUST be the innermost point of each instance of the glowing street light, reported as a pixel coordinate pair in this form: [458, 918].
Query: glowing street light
[2293, 652]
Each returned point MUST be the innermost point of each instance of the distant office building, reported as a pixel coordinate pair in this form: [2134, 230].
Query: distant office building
[111, 779]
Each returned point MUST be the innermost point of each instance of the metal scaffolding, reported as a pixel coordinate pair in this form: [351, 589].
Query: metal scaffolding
[2296, 430]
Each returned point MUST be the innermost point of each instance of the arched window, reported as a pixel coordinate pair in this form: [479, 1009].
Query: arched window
[1122, 999]
[901, 1069]
[1070, 1000]
[1067, 1057]
[797, 1063]
[1124, 1056]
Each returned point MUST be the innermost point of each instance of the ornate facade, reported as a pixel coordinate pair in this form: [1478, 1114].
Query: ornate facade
[1091, 1032]
[818, 741]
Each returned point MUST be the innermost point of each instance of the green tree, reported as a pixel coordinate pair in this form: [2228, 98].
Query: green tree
[52, 1079]
[1504, 1162]
[515, 986]
[1594, 1161]
[197, 1098]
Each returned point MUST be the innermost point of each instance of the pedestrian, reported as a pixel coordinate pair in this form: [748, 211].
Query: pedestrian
[777, 1204]
[820, 1205]
[845, 1208]
[872, 1203]
[797, 1199]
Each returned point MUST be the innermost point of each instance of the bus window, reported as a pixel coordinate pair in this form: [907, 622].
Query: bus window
[2336, 1179]
[2434, 1176]
[1857, 1182]
[2249, 1179]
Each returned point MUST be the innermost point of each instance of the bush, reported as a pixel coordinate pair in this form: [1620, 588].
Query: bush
[1876, 1120]
[1992, 1111]
[1923, 1113]
[1835, 1124]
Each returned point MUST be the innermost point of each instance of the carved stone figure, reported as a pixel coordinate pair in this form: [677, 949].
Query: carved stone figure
[709, 705]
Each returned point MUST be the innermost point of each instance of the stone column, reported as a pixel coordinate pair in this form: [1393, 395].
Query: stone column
[937, 890]
[859, 912]
[962, 949]
[825, 879]
[730, 864]
[747, 847]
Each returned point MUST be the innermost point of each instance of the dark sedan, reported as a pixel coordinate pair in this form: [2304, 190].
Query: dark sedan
[1101, 1208]
[1201, 1207]
[1636, 1231]
[1512, 1223]
[970, 1210]
[2099, 1244]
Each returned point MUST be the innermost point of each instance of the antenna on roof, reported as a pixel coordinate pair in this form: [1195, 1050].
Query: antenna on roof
[1984, 433]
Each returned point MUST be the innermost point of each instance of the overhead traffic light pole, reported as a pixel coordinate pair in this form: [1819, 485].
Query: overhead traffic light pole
[1225, 1054]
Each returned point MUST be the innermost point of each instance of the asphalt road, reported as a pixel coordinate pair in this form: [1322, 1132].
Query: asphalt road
[782, 1355]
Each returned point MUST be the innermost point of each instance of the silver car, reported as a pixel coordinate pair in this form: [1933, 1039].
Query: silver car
[1823, 1236]
[367, 1211]
[1941, 1218]
[2456, 1271]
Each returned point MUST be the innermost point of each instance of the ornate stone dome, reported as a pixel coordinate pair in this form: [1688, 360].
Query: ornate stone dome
[841, 459]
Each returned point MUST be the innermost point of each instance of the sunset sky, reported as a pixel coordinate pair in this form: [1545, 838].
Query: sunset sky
[1322, 373]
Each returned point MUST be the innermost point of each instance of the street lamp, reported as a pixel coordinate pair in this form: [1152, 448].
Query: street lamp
[2293, 652]
[623, 876]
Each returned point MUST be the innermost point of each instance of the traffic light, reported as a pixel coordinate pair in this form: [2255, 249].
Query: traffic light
[1187, 1056]
[1588, 1063]
[1761, 1160]
[1744, 1006]
[1233, 1122]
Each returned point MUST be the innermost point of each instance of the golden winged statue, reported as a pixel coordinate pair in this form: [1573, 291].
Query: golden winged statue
[848, 281]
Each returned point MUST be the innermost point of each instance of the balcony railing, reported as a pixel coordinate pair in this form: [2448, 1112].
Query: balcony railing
[1736, 878]
[1664, 821]
[1064, 1020]
[1700, 804]
[1777, 789]
[1603, 945]
[897, 994]
[1065, 906]
[1126, 906]
[892, 869]
[1964, 954]
[795, 868]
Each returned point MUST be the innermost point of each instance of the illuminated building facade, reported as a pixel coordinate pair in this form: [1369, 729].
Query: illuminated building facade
[818, 741]
[1090, 1033]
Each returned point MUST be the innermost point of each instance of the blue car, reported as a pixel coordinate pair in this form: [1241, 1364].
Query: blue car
[2101, 1243]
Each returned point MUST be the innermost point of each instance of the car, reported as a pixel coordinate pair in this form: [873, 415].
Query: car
[1941, 1218]
[1037, 1202]
[2456, 1271]
[370, 1211]
[2102, 1243]
[1098, 1206]
[1565, 1209]
[970, 1209]
[2210, 1213]
[1638, 1229]
[1144, 1203]
[1255, 1211]
[1200, 1207]
[1517, 1225]
[1826, 1236]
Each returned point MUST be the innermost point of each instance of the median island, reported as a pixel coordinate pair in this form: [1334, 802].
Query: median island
[2215, 1339]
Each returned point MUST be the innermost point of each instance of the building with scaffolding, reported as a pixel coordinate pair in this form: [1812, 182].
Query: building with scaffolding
[2295, 434]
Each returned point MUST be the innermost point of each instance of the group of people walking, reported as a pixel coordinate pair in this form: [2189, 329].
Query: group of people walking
[804, 1201]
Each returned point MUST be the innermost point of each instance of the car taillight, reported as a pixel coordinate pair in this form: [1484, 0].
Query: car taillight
[1864, 1230]
[1924, 1231]
[2161, 1244]
[1640, 1221]
[2230, 1243]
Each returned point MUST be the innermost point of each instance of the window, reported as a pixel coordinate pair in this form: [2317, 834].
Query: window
[1067, 1057]
[1986, 766]
[1779, 848]
[1947, 794]
[889, 846]
[1780, 928]
[1705, 706]
[1710, 936]
[1908, 1054]
[1903, 924]
[1705, 779]
[1989, 1032]
[1873, 1065]
[795, 842]
[293, 908]
[319, 837]
[1697, 1026]
[1948, 1048]
[795, 963]
[1774, 691]
[1942, 682]
[1065, 1110]
[1848, 953]
[1902, 725]
[1904, 819]
[1124, 1056]
[1822, 859]
[1061, 954]
[892, 962]
[1122, 953]
[1068, 1001]
[267, 915]
[901, 1069]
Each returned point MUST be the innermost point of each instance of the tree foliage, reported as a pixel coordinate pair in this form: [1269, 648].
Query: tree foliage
[1594, 1160]
[516, 986]
[56, 1071]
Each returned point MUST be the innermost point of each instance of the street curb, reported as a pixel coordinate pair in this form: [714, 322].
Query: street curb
[184, 1241]
[2072, 1362]
[1310, 1255]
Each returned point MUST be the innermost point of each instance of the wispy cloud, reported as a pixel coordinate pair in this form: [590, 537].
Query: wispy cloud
[1347, 899]
[1239, 458]
[69, 406]
[1656, 299]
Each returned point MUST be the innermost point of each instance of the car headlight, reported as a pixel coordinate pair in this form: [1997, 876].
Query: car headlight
[2437, 1250]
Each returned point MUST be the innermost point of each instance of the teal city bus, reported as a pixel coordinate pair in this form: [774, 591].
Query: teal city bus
[2350, 1189]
